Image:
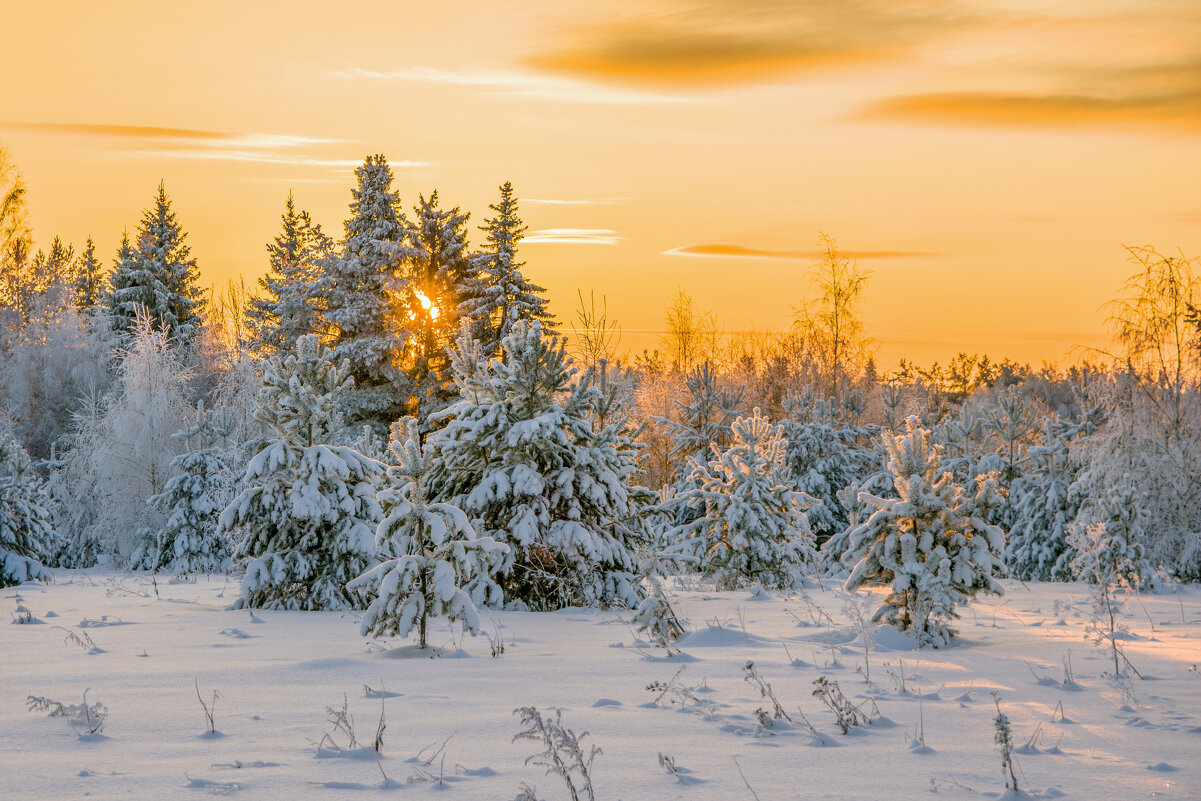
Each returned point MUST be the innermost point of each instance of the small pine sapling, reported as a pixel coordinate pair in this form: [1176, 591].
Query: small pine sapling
[930, 546]
[657, 617]
[754, 529]
[430, 551]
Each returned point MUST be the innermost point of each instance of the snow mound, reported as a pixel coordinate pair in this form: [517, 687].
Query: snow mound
[889, 639]
[721, 637]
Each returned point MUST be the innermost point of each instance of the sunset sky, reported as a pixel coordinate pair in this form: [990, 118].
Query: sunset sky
[987, 160]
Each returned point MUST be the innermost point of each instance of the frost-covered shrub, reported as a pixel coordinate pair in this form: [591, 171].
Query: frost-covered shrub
[430, 552]
[306, 516]
[1044, 504]
[930, 546]
[57, 359]
[525, 453]
[121, 449]
[754, 528]
[1110, 551]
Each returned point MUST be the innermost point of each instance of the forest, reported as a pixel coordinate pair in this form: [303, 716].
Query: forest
[153, 425]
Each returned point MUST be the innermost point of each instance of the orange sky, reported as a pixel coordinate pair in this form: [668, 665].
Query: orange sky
[988, 159]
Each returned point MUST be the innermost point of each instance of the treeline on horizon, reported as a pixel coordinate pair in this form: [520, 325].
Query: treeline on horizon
[114, 377]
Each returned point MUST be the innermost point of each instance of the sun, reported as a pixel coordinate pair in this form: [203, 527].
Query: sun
[428, 305]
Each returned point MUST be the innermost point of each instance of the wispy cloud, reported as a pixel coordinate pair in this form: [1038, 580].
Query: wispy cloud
[520, 84]
[1179, 111]
[144, 141]
[741, 252]
[574, 236]
[700, 42]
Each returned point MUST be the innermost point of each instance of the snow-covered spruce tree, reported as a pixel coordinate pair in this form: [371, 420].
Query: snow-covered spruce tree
[90, 282]
[193, 500]
[306, 516]
[436, 278]
[930, 546]
[825, 455]
[1110, 549]
[157, 273]
[1045, 503]
[753, 529]
[27, 534]
[288, 307]
[705, 415]
[361, 292]
[703, 420]
[522, 454]
[430, 551]
[495, 293]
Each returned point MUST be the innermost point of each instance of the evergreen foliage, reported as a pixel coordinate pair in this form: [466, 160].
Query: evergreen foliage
[528, 455]
[27, 536]
[156, 275]
[1110, 550]
[496, 295]
[930, 546]
[288, 308]
[753, 529]
[825, 456]
[306, 515]
[361, 292]
[90, 282]
[437, 279]
[1045, 503]
[193, 501]
[429, 549]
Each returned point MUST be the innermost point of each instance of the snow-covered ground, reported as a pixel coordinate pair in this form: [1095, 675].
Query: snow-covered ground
[277, 672]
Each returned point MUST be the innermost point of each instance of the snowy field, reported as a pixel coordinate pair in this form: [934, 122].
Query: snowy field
[452, 717]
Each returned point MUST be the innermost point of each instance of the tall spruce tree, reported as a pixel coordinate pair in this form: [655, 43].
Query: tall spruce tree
[306, 517]
[288, 308]
[524, 454]
[495, 293]
[89, 284]
[157, 274]
[363, 291]
[437, 275]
